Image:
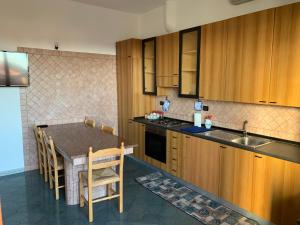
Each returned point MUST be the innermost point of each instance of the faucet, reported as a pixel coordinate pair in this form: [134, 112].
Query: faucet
[245, 133]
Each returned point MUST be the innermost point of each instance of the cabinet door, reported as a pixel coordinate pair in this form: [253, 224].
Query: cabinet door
[124, 87]
[213, 61]
[268, 179]
[236, 174]
[201, 163]
[149, 66]
[249, 50]
[189, 47]
[285, 75]
[291, 194]
[138, 137]
[167, 60]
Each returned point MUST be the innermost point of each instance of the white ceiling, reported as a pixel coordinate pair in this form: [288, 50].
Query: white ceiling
[129, 6]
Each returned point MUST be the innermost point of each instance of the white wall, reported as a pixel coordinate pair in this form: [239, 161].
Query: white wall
[191, 13]
[152, 23]
[77, 27]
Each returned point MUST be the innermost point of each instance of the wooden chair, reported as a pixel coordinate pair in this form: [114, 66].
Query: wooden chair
[107, 129]
[90, 122]
[55, 165]
[102, 173]
[42, 155]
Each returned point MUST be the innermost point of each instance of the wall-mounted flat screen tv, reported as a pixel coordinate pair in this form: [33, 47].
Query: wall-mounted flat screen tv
[14, 69]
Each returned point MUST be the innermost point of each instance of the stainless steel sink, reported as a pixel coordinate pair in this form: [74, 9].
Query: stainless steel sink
[251, 141]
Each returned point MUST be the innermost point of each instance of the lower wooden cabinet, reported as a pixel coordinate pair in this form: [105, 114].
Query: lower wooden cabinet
[291, 194]
[201, 163]
[268, 187]
[174, 153]
[236, 176]
[137, 136]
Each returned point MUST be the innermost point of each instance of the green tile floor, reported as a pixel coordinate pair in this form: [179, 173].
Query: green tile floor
[27, 200]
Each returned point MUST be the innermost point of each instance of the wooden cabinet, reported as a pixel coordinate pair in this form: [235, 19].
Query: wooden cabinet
[174, 153]
[149, 66]
[285, 72]
[213, 61]
[167, 60]
[248, 57]
[291, 194]
[268, 187]
[137, 136]
[131, 101]
[236, 173]
[189, 52]
[201, 160]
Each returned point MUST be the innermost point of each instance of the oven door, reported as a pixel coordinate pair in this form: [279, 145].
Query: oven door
[155, 145]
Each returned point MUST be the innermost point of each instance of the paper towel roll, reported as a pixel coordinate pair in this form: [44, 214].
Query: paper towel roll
[197, 119]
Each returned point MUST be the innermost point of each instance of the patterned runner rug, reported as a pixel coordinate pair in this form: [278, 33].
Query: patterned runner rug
[196, 205]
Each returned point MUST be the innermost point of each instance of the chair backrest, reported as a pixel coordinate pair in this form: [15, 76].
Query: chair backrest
[39, 139]
[114, 157]
[50, 149]
[107, 129]
[90, 122]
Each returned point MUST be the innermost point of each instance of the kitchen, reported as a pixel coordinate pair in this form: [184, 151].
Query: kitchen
[204, 110]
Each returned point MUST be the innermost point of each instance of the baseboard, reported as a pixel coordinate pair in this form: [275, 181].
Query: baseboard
[10, 172]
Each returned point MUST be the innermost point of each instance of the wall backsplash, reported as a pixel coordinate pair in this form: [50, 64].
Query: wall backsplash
[275, 121]
[65, 87]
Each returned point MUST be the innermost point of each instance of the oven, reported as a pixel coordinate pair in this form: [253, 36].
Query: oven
[155, 143]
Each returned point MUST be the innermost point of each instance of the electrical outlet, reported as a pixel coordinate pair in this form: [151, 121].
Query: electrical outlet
[205, 108]
[161, 102]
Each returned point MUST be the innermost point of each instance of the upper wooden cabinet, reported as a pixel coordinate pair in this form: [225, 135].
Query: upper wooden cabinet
[213, 61]
[189, 54]
[253, 58]
[149, 66]
[248, 57]
[131, 101]
[285, 73]
[167, 60]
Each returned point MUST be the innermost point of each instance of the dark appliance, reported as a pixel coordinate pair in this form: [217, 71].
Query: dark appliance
[14, 69]
[155, 143]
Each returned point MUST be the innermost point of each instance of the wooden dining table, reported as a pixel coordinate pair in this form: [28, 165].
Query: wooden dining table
[72, 141]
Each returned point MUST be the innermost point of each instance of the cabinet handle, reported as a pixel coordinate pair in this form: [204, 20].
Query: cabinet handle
[273, 102]
[174, 170]
[201, 96]
[262, 101]
[257, 156]
[174, 137]
[174, 148]
[187, 137]
[222, 146]
[143, 125]
[175, 85]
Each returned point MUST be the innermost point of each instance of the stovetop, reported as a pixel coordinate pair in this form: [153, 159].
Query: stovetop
[168, 122]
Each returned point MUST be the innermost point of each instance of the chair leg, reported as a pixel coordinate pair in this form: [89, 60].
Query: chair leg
[50, 176]
[40, 163]
[56, 185]
[81, 191]
[45, 163]
[109, 187]
[90, 202]
[121, 196]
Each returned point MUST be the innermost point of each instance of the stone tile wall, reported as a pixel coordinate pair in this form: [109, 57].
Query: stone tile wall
[275, 121]
[65, 87]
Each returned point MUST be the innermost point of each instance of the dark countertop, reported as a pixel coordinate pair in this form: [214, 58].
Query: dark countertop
[281, 149]
[74, 139]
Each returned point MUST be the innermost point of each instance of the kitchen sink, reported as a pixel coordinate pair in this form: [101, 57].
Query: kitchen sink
[251, 141]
